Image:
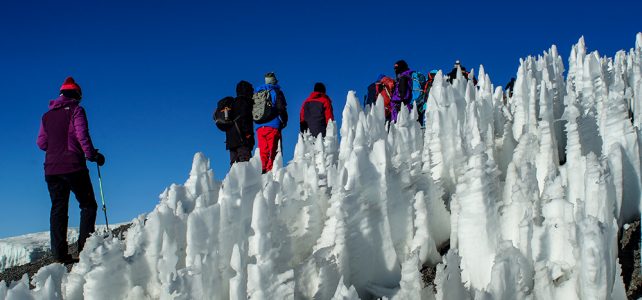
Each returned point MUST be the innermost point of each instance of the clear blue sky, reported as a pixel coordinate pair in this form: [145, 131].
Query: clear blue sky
[152, 72]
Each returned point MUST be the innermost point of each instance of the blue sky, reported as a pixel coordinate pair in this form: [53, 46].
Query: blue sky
[152, 72]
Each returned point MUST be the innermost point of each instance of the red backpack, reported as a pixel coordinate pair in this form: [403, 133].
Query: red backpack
[385, 87]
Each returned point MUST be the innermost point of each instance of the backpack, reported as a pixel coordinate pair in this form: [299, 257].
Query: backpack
[372, 94]
[385, 87]
[418, 84]
[262, 109]
[224, 115]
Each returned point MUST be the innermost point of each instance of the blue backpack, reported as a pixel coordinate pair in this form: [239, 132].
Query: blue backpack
[418, 91]
[418, 85]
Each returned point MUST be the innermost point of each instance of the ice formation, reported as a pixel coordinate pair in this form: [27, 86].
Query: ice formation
[529, 191]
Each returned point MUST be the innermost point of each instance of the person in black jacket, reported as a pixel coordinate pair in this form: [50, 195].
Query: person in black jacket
[239, 139]
[453, 73]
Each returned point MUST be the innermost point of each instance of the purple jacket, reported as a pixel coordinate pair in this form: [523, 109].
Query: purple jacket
[64, 135]
[403, 87]
[402, 93]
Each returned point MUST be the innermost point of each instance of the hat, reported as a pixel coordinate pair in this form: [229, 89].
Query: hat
[319, 87]
[70, 84]
[401, 66]
[270, 78]
[244, 88]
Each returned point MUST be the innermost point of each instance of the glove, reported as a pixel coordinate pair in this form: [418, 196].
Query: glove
[98, 158]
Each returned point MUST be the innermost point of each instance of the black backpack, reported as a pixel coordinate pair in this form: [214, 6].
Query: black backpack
[224, 115]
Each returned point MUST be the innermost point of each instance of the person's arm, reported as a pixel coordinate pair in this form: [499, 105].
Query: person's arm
[81, 129]
[303, 125]
[42, 138]
[404, 85]
[327, 108]
[281, 108]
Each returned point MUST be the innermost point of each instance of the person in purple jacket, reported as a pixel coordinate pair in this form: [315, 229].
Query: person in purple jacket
[64, 136]
[402, 94]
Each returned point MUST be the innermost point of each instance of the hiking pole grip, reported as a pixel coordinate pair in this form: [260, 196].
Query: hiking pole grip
[102, 196]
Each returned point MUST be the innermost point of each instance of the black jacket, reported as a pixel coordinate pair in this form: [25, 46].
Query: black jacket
[316, 112]
[242, 133]
[371, 98]
[281, 108]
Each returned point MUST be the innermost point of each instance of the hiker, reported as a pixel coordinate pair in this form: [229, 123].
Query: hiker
[508, 90]
[64, 136]
[419, 94]
[421, 110]
[373, 91]
[269, 131]
[316, 111]
[402, 93]
[453, 73]
[384, 86]
[429, 81]
[234, 116]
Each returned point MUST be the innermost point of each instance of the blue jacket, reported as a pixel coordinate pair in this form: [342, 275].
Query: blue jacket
[278, 101]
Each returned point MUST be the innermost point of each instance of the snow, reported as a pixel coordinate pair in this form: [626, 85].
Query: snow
[529, 193]
[20, 250]
[15, 251]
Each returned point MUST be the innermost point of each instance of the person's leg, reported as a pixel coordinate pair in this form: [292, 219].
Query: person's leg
[59, 193]
[394, 109]
[244, 153]
[84, 192]
[263, 147]
[273, 137]
[233, 156]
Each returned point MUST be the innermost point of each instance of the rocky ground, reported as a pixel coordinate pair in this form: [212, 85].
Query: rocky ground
[629, 254]
[16, 273]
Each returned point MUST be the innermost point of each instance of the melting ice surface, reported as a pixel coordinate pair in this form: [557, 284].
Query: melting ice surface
[529, 192]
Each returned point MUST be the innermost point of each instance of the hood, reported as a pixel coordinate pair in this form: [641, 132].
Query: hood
[244, 88]
[62, 101]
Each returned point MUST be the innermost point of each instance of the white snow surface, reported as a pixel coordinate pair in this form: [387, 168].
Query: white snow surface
[530, 193]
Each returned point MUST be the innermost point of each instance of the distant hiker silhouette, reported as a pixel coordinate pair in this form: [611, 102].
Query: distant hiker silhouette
[64, 136]
[452, 75]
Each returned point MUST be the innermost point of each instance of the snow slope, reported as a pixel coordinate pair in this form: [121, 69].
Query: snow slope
[529, 192]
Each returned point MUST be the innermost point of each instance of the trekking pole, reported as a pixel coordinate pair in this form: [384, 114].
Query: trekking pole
[102, 197]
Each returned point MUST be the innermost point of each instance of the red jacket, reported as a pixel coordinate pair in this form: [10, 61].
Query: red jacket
[316, 112]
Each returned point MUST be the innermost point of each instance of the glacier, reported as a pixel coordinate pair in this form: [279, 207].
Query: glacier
[525, 193]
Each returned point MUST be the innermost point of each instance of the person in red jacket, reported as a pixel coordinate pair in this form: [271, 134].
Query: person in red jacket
[316, 111]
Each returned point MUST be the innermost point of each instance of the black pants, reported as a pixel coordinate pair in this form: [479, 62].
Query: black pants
[240, 153]
[60, 187]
